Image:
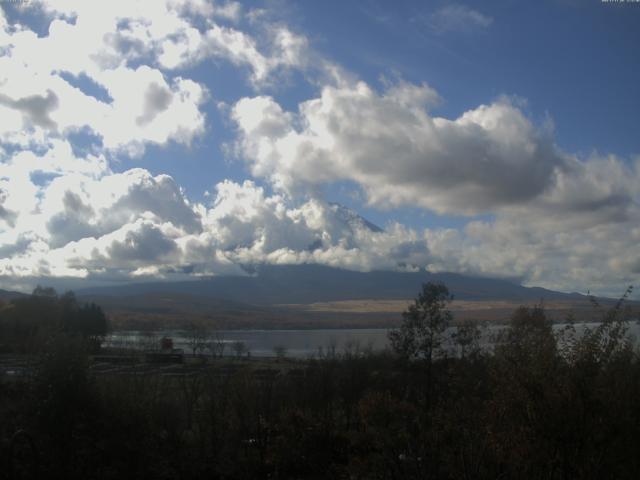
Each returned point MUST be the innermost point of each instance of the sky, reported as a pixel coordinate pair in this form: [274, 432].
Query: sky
[171, 140]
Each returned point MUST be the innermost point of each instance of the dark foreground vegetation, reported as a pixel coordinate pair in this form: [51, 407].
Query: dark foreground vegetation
[539, 405]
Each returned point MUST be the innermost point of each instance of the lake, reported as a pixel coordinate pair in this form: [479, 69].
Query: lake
[296, 343]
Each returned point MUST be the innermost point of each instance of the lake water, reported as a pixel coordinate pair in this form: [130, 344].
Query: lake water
[263, 343]
[296, 343]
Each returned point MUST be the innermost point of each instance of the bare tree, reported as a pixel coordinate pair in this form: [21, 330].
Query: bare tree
[197, 336]
[216, 344]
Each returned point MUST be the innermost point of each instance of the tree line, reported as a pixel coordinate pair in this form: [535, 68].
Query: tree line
[28, 323]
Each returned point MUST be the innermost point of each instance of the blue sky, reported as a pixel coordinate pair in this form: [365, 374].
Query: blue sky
[491, 138]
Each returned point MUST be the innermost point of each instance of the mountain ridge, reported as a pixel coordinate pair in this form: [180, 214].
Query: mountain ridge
[287, 284]
[10, 294]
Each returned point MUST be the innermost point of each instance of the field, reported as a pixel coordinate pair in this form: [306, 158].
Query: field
[369, 313]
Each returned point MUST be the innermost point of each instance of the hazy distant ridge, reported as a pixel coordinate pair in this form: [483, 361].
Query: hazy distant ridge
[313, 283]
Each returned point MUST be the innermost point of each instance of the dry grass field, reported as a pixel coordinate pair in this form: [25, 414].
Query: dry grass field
[339, 314]
[493, 311]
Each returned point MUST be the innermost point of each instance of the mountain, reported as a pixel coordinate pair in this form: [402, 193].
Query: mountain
[351, 218]
[270, 296]
[6, 295]
[303, 284]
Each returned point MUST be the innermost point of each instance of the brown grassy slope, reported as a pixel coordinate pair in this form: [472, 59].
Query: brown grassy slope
[340, 314]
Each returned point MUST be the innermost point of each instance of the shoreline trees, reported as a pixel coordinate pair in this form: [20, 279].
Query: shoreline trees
[27, 323]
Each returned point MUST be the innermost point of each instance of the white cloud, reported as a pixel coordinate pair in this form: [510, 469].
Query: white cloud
[599, 258]
[94, 207]
[38, 103]
[61, 215]
[104, 225]
[569, 222]
[560, 221]
[457, 18]
[82, 220]
[132, 50]
[245, 226]
[286, 50]
[145, 242]
[396, 151]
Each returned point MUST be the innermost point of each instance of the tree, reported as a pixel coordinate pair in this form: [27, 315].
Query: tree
[239, 348]
[529, 338]
[217, 345]
[466, 338]
[47, 292]
[421, 334]
[423, 324]
[197, 337]
[87, 320]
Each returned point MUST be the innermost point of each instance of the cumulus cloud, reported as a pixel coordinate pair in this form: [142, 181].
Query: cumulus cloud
[133, 224]
[112, 71]
[74, 207]
[6, 215]
[286, 50]
[559, 220]
[247, 227]
[35, 108]
[397, 151]
[143, 242]
[133, 50]
[156, 100]
[39, 103]
[599, 258]
[104, 225]
[596, 191]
